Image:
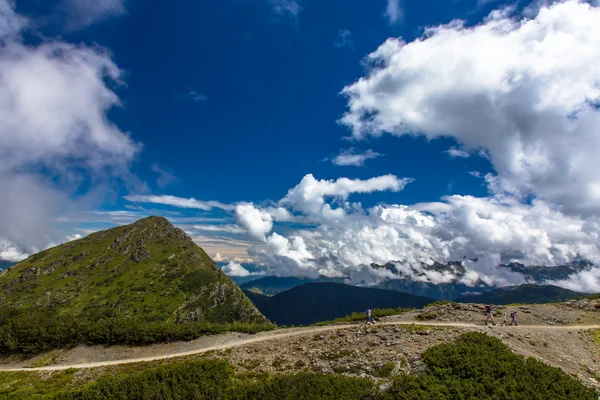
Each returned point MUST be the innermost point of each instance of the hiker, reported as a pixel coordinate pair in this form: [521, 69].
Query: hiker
[505, 321]
[513, 318]
[490, 315]
[370, 319]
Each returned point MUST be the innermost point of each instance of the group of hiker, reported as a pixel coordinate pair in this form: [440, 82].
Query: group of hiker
[488, 311]
[490, 317]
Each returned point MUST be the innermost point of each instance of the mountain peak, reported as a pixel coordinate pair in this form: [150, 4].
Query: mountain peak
[149, 269]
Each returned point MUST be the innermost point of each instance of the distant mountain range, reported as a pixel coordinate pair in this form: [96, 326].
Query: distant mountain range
[451, 290]
[314, 302]
[523, 294]
[272, 285]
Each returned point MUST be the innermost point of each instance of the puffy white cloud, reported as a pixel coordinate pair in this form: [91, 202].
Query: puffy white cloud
[393, 11]
[178, 202]
[256, 222]
[9, 252]
[525, 91]
[75, 236]
[352, 157]
[54, 98]
[309, 195]
[236, 269]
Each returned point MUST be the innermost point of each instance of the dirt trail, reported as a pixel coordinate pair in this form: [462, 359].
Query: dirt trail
[286, 333]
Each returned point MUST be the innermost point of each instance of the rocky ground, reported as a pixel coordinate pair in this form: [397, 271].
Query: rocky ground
[557, 334]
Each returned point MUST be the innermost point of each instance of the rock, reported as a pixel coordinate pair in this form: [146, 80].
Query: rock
[385, 387]
[140, 254]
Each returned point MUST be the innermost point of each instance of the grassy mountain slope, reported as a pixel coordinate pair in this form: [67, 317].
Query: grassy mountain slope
[314, 302]
[523, 294]
[149, 270]
[272, 285]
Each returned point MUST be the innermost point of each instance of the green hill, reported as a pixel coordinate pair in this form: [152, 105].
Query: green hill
[133, 284]
[523, 294]
[148, 269]
[315, 302]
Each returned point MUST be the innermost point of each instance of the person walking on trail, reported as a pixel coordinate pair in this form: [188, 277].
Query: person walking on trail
[513, 318]
[489, 315]
[370, 319]
[505, 321]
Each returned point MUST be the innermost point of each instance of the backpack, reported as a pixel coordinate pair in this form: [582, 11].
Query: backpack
[513, 314]
[487, 309]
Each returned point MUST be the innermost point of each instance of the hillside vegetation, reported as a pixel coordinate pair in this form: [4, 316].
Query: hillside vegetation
[137, 279]
[475, 366]
[315, 302]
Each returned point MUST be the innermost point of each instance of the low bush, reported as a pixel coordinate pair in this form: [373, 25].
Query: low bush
[31, 331]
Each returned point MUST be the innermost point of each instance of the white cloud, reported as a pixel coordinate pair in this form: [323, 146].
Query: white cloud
[352, 157]
[457, 153]
[309, 195]
[393, 11]
[236, 269]
[9, 252]
[78, 14]
[53, 103]
[525, 91]
[75, 236]
[256, 222]
[165, 178]
[233, 229]
[11, 23]
[343, 39]
[178, 202]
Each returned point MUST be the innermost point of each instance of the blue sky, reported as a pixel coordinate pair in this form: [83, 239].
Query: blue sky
[328, 135]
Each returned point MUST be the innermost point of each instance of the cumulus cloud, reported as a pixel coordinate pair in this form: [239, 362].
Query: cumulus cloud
[393, 11]
[352, 157]
[54, 98]
[236, 269]
[310, 194]
[524, 91]
[11, 253]
[178, 202]
[231, 229]
[256, 222]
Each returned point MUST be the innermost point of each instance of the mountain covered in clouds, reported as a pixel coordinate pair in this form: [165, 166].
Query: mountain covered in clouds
[450, 281]
[522, 294]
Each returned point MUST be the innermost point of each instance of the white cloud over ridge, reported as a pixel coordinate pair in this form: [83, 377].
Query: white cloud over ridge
[178, 202]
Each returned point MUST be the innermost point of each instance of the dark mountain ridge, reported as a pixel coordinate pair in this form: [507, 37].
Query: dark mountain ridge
[315, 302]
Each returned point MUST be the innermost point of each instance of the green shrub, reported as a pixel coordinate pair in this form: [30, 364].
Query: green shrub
[215, 379]
[478, 366]
[31, 331]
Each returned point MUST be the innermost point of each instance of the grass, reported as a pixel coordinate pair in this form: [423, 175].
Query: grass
[360, 316]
